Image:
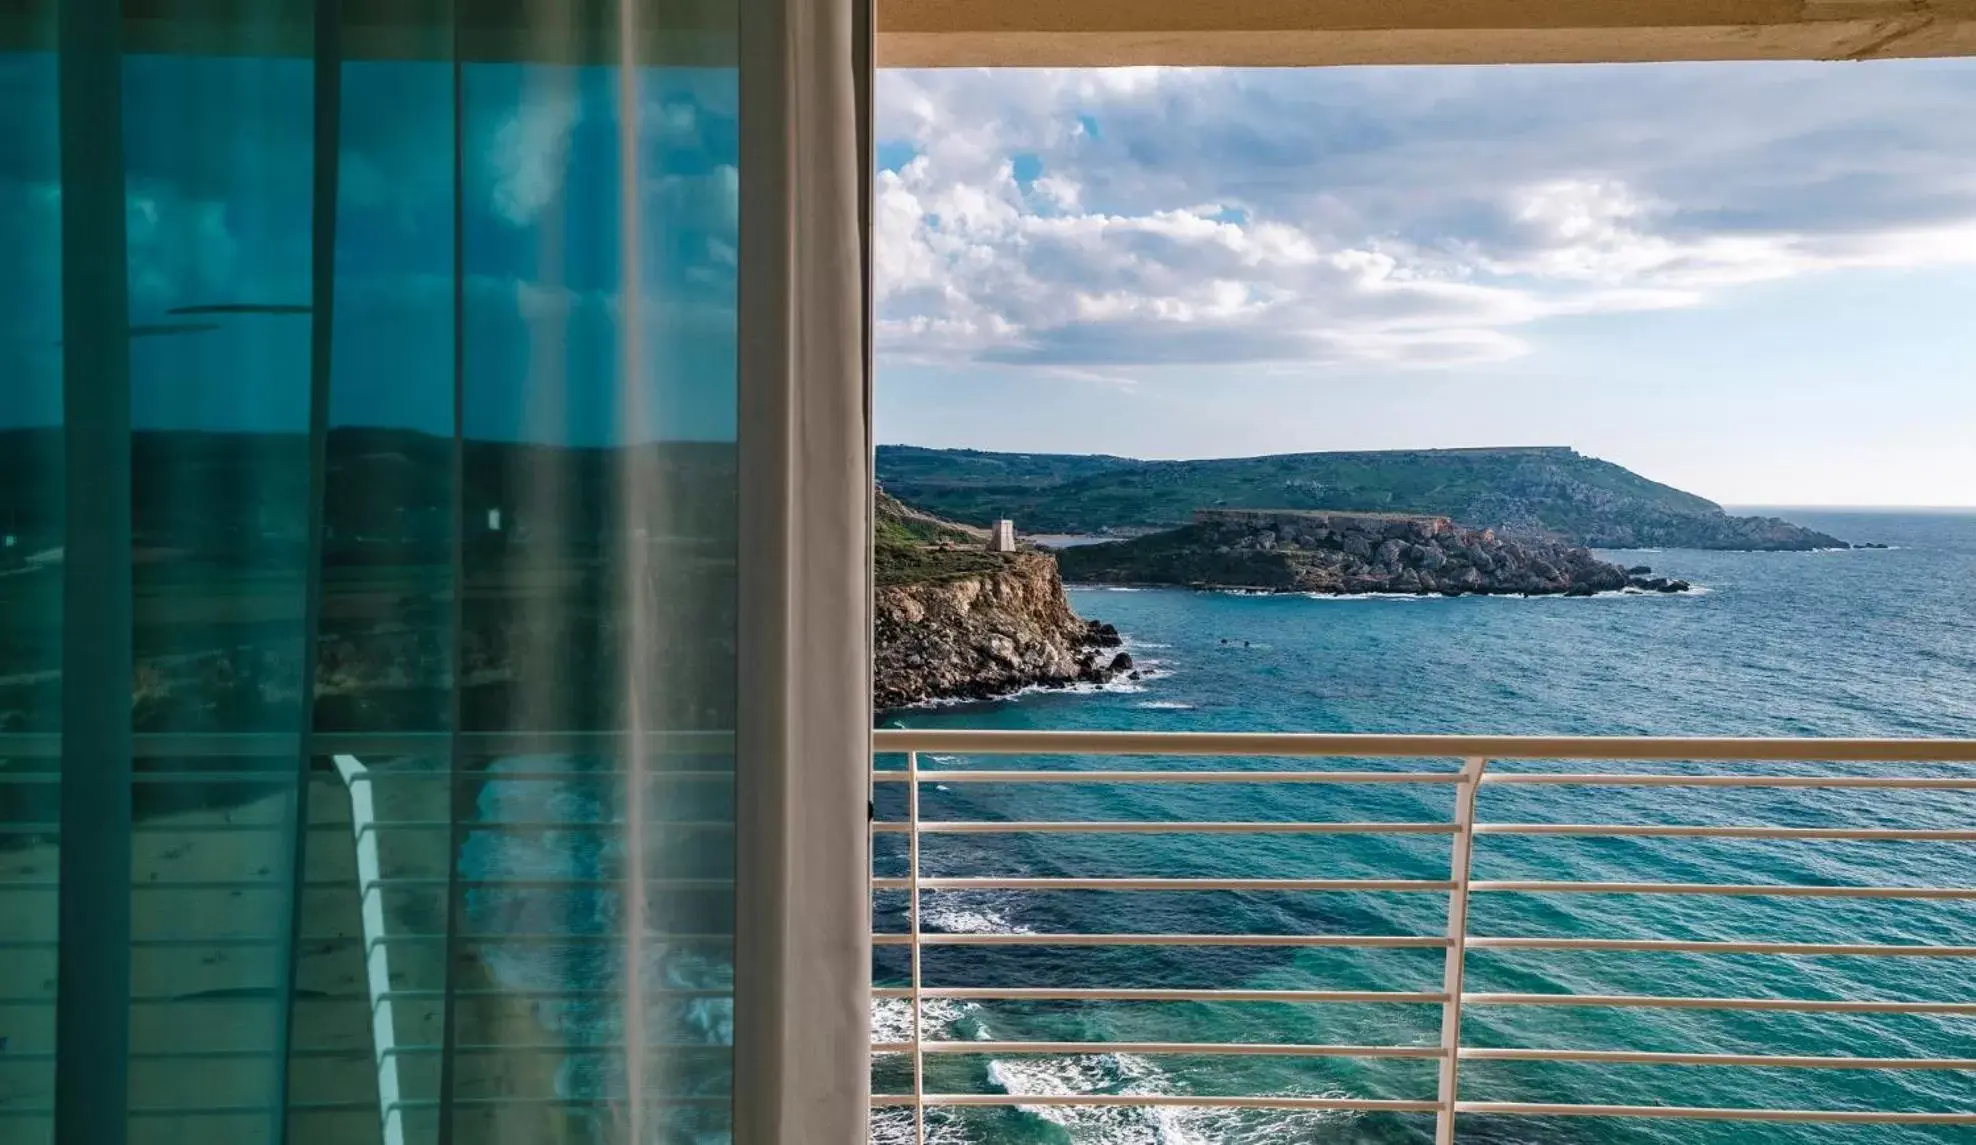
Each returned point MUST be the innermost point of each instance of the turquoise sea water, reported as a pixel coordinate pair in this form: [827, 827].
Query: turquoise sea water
[1861, 643]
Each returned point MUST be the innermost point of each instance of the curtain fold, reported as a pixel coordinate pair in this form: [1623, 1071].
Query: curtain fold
[802, 975]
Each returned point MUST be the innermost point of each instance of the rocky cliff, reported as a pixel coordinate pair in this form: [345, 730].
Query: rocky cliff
[995, 627]
[1338, 553]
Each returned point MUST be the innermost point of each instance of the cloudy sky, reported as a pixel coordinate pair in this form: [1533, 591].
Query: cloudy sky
[219, 162]
[1752, 280]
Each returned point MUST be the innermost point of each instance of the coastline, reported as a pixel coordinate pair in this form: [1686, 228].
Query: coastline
[1251, 590]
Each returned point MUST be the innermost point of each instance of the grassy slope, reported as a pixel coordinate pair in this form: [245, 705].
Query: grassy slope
[907, 546]
[1048, 493]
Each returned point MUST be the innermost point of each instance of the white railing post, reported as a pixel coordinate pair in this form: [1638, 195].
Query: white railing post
[377, 956]
[1460, 856]
[912, 921]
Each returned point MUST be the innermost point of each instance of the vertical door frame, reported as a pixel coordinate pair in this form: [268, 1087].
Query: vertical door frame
[92, 998]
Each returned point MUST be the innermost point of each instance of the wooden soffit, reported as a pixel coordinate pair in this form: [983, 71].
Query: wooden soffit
[1066, 33]
[1270, 33]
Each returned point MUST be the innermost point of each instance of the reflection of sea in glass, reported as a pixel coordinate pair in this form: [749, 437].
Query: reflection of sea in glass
[557, 939]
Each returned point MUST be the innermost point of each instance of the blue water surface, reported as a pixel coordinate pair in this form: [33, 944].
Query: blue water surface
[1875, 642]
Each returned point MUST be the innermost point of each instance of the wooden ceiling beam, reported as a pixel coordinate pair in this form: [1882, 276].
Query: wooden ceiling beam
[1284, 33]
[1076, 33]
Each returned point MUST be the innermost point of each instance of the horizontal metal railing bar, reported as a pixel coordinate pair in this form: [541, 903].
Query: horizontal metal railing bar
[1173, 884]
[1408, 942]
[267, 775]
[387, 882]
[1587, 779]
[1779, 1061]
[542, 995]
[549, 1048]
[1100, 994]
[505, 826]
[1189, 1101]
[1675, 830]
[1684, 946]
[1781, 890]
[1129, 777]
[1640, 779]
[548, 938]
[1768, 749]
[150, 745]
[585, 775]
[1703, 1113]
[270, 994]
[1195, 1049]
[1648, 1001]
[1162, 827]
[251, 942]
[344, 827]
[431, 882]
[505, 1101]
[371, 1107]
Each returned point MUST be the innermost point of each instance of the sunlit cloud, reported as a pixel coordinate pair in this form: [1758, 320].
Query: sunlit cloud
[1403, 216]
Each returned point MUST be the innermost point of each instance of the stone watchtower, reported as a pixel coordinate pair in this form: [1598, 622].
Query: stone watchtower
[1001, 539]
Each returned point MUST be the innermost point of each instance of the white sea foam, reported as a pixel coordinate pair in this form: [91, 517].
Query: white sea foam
[1165, 705]
[1143, 1125]
[1148, 670]
[948, 918]
[892, 1019]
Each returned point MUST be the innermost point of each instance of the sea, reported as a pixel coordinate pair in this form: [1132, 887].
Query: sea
[1866, 642]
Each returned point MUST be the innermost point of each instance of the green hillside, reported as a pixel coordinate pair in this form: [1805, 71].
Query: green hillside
[1552, 491]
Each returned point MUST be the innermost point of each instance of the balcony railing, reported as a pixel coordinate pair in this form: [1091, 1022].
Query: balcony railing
[1469, 765]
[352, 873]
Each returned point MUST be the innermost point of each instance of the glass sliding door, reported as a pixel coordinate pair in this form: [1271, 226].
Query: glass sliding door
[217, 178]
[367, 716]
[31, 542]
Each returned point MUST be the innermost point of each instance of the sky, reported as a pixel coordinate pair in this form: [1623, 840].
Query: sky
[1752, 281]
[219, 162]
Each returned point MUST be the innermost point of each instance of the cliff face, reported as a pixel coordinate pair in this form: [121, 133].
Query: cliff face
[980, 634]
[1337, 553]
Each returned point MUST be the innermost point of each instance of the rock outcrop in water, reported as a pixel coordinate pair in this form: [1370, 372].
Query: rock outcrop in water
[1339, 553]
[985, 634]
[953, 621]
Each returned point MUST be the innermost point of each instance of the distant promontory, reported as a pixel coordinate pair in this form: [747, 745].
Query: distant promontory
[1351, 553]
[1541, 493]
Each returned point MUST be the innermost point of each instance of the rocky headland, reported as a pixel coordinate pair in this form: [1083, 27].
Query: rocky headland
[952, 621]
[1347, 553]
[1537, 493]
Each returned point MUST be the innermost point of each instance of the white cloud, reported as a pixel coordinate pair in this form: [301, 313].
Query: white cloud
[529, 154]
[1391, 215]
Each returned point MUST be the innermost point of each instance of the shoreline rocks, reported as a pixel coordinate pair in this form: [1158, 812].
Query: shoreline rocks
[986, 634]
[1353, 553]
